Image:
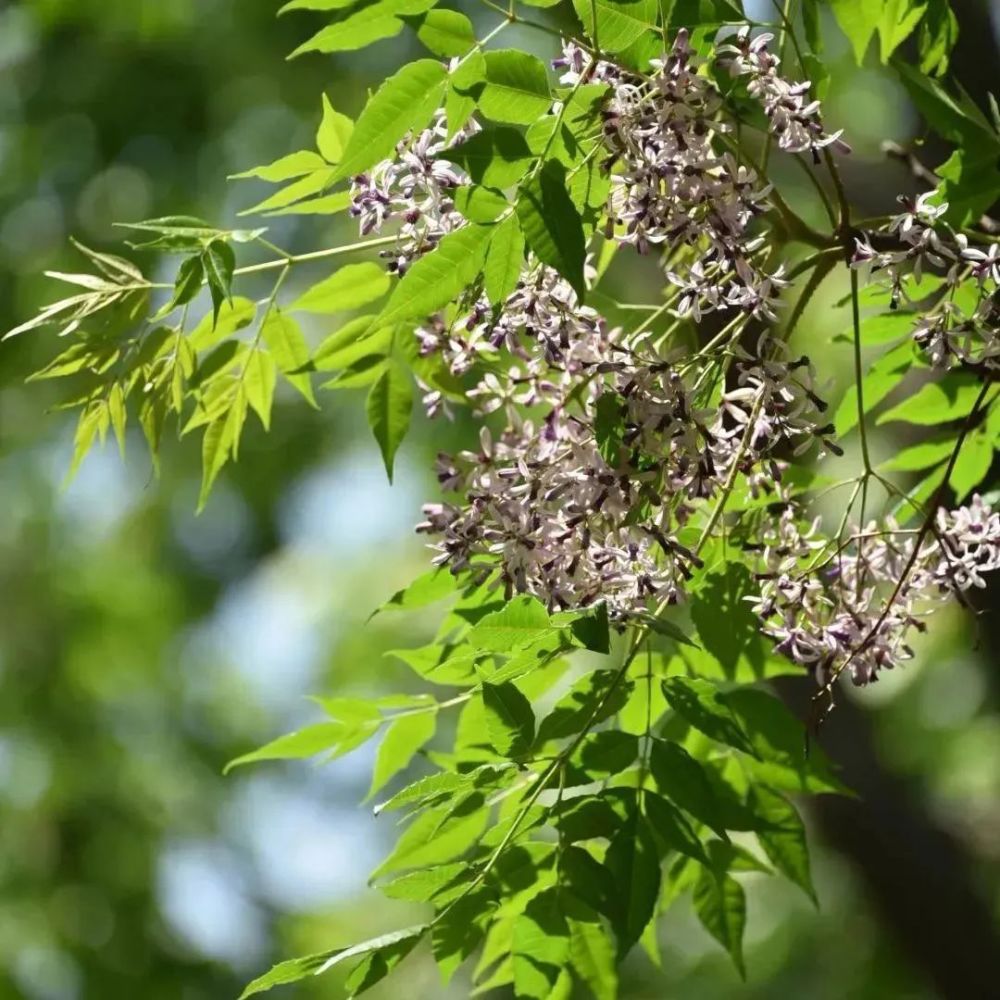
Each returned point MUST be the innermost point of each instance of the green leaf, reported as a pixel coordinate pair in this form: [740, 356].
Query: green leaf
[510, 722]
[590, 627]
[592, 957]
[219, 262]
[519, 623]
[378, 963]
[920, 456]
[219, 443]
[328, 204]
[592, 699]
[516, 87]
[348, 288]
[438, 277]
[880, 379]
[936, 402]
[405, 102]
[459, 100]
[671, 826]
[701, 705]
[334, 133]
[504, 261]
[426, 884]
[784, 838]
[605, 753]
[287, 168]
[334, 738]
[446, 33]
[898, 21]
[971, 183]
[405, 735]
[540, 945]
[429, 587]
[494, 157]
[973, 464]
[618, 24]
[190, 277]
[634, 863]
[461, 927]
[312, 184]
[858, 19]
[551, 224]
[368, 25]
[313, 965]
[682, 780]
[389, 408]
[883, 328]
[355, 340]
[260, 376]
[287, 344]
[480, 204]
[937, 37]
[721, 906]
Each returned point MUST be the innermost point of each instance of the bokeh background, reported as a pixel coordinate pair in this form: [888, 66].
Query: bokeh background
[142, 647]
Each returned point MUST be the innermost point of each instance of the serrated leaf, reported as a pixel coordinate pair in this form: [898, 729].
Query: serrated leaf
[287, 168]
[427, 883]
[233, 316]
[592, 699]
[672, 827]
[784, 837]
[313, 965]
[618, 25]
[260, 377]
[972, 465]
[404, 736]
[510, 722]
[593, 957]
[379, 962]
[349, 287]
[428, 588]
[480, 204]
[461, 928]
[219, 262]
[405, 102]
[368, 25]
[504, 261]
[334, 133]
[522, 621]
[389, 408]
[334, 738]
[219, 443]
[684, 781]
[703, 706]
[634, 863]
[439, 277]
[540, 945]
[721, 907]
[288, 347]
[447, 33]
[494, 157]
[551, 224]
[358, 338]
[516, 87]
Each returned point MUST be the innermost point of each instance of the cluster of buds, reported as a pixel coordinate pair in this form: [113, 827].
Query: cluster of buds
[416, 190]
[954, 332]
[852, 610]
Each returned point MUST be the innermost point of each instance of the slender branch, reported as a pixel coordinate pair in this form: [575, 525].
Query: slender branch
[303, 258]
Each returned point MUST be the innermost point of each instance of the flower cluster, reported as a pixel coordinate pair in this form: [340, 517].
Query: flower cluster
[853, 609]
[792, 117]
[955, 332]
[415, 189]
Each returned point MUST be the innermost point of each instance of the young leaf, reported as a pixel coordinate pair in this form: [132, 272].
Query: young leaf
[634, 862]
[405, 102]
[368, 25]
[219, 262]
[858, 19]
[285, 169]
[260, 377]
[516, 88]
[389, 407]
[439, 277]
[334, 132]
[348, 288]
[721, 906]
[405, 735]
[355, 340]
[429, 587]
[551, 225]
[701, 705]
[504, 260]
[510, 722]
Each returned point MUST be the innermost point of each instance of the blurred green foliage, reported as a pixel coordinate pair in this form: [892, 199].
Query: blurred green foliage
[141, 647]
